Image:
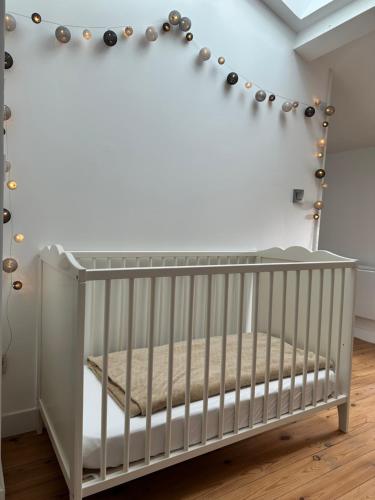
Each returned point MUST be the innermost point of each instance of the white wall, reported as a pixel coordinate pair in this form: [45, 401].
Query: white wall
[138, 147]
[348, 219]
[347, 226]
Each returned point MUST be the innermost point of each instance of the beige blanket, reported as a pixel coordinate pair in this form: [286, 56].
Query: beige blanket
[117, 370]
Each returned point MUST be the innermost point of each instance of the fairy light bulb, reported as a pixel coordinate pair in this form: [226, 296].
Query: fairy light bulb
[10, 265]
[316, 216]
[19, 237]
[87, 35]
[248, 85]
[12, 185]
[322, 143]
[128, 31]
[319, 155]
[17, 285]
[324, 185]
[325, 124]
[317, 101]
[319, 204]
[36, 18]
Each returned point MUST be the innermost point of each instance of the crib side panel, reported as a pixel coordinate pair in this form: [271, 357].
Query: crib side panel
[58, 336]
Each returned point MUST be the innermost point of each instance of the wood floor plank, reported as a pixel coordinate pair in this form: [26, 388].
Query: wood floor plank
[309, 459]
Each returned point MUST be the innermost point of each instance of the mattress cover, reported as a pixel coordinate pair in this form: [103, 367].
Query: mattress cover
[115, 421]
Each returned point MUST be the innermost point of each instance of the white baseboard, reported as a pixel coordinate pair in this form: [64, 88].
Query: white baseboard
[19, 422]
[364, 329]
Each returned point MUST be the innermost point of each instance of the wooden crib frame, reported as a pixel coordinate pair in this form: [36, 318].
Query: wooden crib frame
[293, 285]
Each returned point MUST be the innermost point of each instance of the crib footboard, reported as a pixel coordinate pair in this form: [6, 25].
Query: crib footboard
[305, 303]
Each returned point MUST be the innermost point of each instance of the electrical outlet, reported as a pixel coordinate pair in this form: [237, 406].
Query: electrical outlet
[4, 364]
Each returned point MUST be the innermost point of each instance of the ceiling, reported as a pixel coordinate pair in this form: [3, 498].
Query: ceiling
[339, 35]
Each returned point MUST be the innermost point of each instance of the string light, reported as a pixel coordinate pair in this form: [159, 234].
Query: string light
[232, 78]
[174, 20]
[271, 97]
[10, 22]
[185, 24]
[309, 112]
[10, 265]
[319, 204]
[174, 17]
[17, 285]
[128, 31]
[204, 54]
[316, 216]
[87, 35]
[287, 106]
[166, 27]
[320, 173]
[7, 112]
[319, 155]
[248, 85]
[37, 18]
[329, 110]
[221, 60]
[322, 142]
[6, 215]
[19, 237]
[189, 37]
[151, 34]
[324, 185]
[260, 95]
[12, 185]
[63, 34]
[325, 124]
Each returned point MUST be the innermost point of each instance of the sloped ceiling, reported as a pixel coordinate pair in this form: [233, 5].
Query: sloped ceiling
[353, 125]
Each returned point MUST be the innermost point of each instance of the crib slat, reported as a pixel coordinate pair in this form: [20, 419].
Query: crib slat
[170, 368]
[268, 351]
[223, 357]
[319, 334]
[188, 365]
[128, 376]
[339, 340]
[329, 336]
[254, 347]
[207, 361]
[296, 319]
[239, 354]
[307, 339]
[150, 373]
[122, 310]
[103, 437]
[282, 346]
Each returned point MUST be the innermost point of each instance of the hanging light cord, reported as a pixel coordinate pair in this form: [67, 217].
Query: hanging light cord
[254, 84]
[7, 308]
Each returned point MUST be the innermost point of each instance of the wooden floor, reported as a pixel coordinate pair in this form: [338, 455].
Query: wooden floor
[310, 459]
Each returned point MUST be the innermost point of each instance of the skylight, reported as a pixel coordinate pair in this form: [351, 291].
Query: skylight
[303, 8]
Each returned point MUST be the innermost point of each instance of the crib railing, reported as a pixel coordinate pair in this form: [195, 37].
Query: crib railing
[296, 283]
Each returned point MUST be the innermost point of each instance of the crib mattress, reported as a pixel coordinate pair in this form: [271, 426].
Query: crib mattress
[115, 421]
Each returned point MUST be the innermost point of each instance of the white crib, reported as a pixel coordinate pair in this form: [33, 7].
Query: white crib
[99, 302]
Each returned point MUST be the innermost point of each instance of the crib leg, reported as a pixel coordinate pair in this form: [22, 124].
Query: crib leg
[343, 411]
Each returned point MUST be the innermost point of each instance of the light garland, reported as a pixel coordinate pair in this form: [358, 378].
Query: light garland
[183, 23]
